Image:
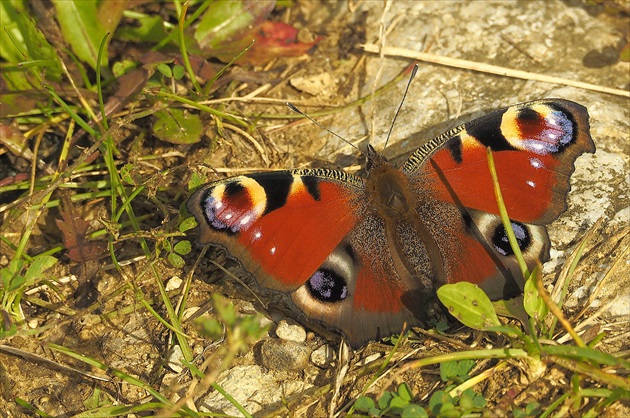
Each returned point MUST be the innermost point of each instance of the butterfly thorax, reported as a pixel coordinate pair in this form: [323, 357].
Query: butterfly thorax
[389, 192]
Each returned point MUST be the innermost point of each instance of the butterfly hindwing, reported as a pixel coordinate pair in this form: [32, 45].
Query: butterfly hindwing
[362, 290]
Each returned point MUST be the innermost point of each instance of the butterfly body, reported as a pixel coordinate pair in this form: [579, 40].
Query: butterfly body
[365, 255]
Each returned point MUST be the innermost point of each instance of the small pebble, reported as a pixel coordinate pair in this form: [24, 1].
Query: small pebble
[291, 331]
[175, 357]
[323, 356]
[174, 283]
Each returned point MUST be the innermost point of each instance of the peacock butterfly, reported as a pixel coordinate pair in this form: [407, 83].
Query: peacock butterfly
[363, 255]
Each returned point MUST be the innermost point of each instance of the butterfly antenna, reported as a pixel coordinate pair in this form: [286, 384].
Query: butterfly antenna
[414, 70]
[296, 110]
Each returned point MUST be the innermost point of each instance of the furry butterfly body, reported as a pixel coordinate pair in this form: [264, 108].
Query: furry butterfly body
[363, 255]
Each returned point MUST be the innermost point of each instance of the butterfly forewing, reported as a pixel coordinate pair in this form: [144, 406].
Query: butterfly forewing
[535, 145]
[280, 225]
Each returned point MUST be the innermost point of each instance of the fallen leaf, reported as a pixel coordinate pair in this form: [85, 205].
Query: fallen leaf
[73, 229]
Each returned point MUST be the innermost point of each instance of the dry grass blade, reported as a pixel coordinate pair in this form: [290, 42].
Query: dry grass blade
[35, 358]
[489, 69]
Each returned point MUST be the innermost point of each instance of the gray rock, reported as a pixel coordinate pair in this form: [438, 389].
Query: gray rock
[284, 355]
[252, 388]
[174, 360]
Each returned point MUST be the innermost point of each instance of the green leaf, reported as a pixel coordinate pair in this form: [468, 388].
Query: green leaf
[414, 411]
[228, 21]
[224, 309]
[82, 28]
[465, 403]
[123, 67]
[182, 247]
[385, 399]
[176, 260]
[442, 404]
[532, 409]
[165, 69]
[9, 272]
[477, 401]
[187, 224]
[250, 325]
[585, 354]
[456, 370]
[177, 126]
[6, 276]
[509, 330]
[404, 391]
[40, 264]
[397, 403]
[196, 180]
[125, 174]
[533, 303]
[512, 308]
[209, 327]
[364, 403]
[21, 40]
[469, 304]
[178, 72]
[16, 283]
[150, 29]
[448, 410]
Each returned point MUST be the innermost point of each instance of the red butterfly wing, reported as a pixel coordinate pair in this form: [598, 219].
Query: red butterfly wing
[362, 288]
[281, 225]
[534, 146]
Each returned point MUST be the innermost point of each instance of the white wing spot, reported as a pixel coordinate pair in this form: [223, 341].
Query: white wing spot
[536, 163]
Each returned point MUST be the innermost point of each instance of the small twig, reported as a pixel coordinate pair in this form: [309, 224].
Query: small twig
[489, 69]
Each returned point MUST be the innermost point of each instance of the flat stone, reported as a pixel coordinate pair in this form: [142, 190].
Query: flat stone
[174, 283]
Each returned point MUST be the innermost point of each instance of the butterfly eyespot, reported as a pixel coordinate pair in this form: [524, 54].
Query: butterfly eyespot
[233, 206]
[327, 286]
[538, 129]
[500, 239]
